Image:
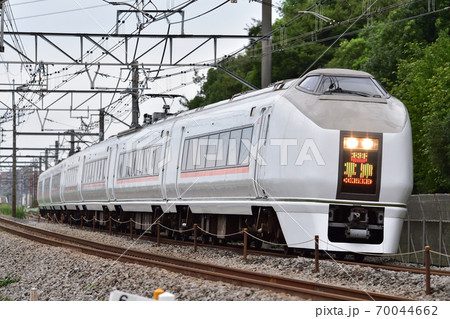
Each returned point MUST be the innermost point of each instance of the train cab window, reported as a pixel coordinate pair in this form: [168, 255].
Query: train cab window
[309, 83]
[350, 85]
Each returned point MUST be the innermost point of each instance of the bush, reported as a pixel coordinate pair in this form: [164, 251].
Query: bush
[5, 209]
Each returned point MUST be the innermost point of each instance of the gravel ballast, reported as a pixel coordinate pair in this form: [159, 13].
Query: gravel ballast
[62, 274]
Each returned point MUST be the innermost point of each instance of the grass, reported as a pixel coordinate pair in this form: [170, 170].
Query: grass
[5, 209]
[5, 282]
[8, 280]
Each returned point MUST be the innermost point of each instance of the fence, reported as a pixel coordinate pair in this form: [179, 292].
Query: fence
[427, 224]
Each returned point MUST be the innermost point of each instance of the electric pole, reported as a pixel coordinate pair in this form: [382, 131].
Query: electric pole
[2, 25]
[14, 156]
[135, 94]
[101, 126]
[266, 60]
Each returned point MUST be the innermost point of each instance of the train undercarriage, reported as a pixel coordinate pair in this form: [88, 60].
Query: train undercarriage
[211, 228]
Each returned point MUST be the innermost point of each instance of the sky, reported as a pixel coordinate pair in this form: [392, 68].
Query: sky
[99, 17]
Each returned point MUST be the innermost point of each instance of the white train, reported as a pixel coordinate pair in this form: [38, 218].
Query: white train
[329, 154]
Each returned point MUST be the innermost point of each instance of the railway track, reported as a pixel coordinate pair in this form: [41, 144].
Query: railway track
[282, 254]
[303, 289]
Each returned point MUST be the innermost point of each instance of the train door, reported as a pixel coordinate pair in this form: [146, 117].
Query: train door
[179, 161]
[62, 183]
[111, 172]
[173, 147]
[264, 122]
[164, 161]
[83, 176]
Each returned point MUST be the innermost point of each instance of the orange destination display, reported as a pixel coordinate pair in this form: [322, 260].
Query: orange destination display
[359, 165]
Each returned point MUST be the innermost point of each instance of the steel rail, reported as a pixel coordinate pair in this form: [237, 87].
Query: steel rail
[282, 254]
[303, 289]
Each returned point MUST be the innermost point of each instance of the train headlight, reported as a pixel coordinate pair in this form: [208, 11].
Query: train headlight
[367, 144]
[350, 142]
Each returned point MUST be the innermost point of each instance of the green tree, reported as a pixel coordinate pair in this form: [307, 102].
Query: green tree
[351, 54]
[425, 79]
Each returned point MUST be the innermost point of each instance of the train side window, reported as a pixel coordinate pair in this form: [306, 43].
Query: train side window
[222, 149]
[150, 161]
[233, 148]
[246, 142]
[105, 168]
[99, 170]
[120, 167]
[85, 172]
[39, 190]
[157, 155]
[139, 160]
[102, 171]
[192, 153]
[211, 152]
[144, 161]
[134, 164]
[128, 164]
[56, 180]
[47, 186]
[201, 152]
[185, 155]
[139, 163]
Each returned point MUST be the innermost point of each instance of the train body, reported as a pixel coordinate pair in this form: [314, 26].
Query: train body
[329, 154]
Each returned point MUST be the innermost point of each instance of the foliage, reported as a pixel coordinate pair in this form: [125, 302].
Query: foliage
[405, 47]
[5, 209]
[351, 54]
[424, 90]
[8, 280]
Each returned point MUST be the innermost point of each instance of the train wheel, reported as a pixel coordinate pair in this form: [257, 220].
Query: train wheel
[358, 257]
[340, 256]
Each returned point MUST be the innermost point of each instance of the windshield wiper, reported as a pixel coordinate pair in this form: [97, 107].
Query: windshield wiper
[339, 90]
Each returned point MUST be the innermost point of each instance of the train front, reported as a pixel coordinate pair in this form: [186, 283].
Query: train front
[354, 179]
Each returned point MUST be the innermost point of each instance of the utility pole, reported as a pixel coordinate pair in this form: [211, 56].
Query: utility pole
[72, 142]
[266, 60]
[135, 94]
[101, 126]
[14, 151]
[46, 159]
[2, 25]
[56, 152]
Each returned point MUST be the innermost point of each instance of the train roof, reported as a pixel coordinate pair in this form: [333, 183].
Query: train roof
[344, 72]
